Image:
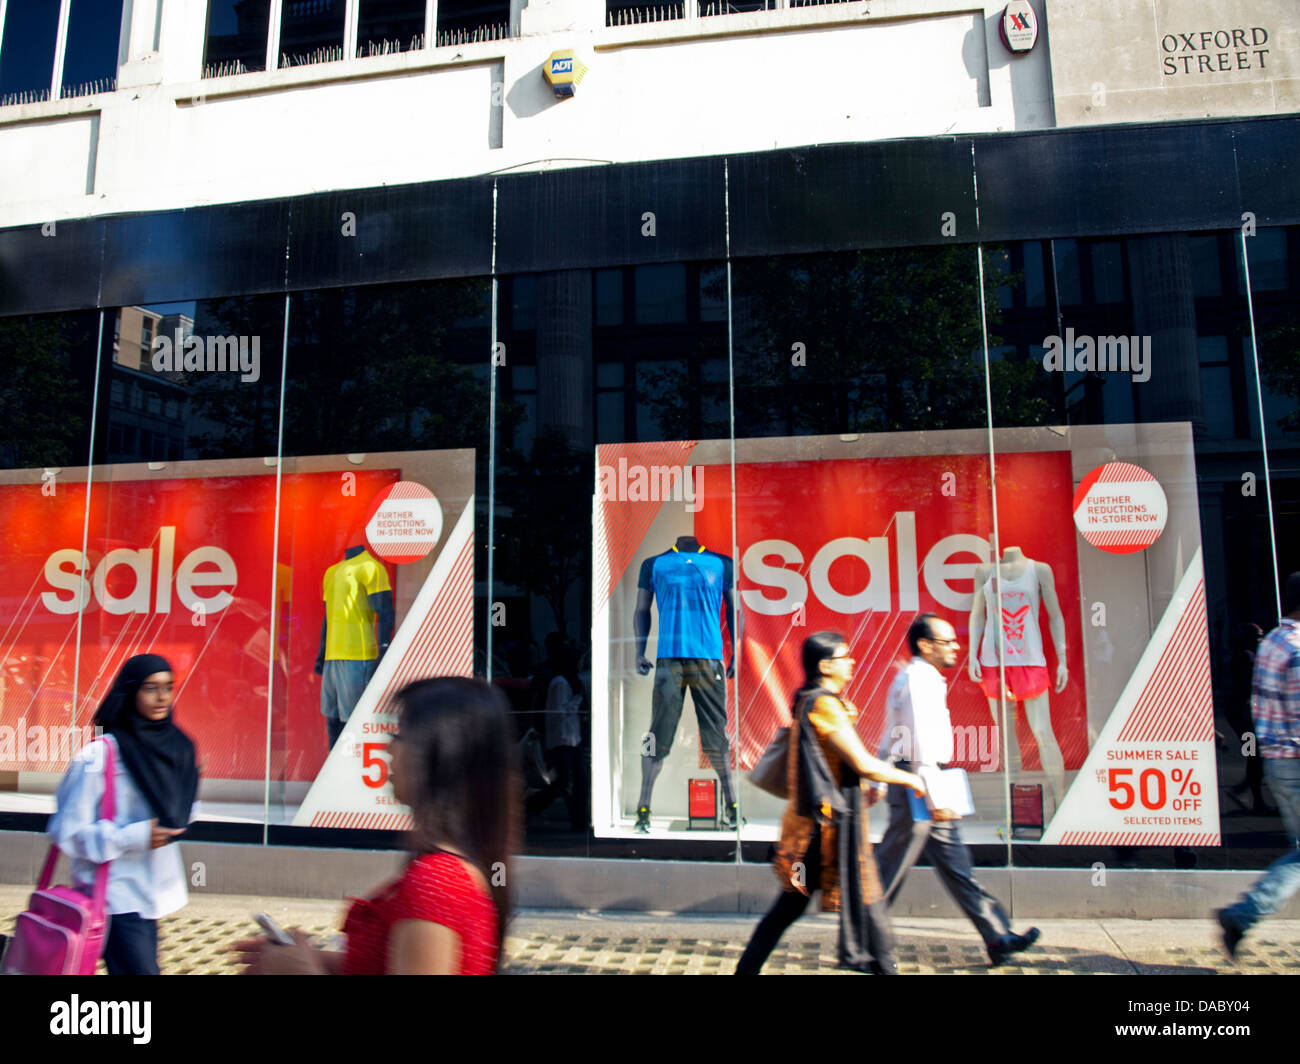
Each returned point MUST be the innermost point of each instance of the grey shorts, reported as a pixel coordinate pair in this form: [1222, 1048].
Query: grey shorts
[342, 684]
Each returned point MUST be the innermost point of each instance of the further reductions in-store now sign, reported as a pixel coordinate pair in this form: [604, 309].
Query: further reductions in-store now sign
[183, 567]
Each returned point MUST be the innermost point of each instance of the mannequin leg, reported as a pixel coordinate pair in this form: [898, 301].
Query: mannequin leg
[1013, 747]
[650, 769]
[1039, 714]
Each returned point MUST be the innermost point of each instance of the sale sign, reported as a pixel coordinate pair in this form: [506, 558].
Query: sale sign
[1151, 780]
[196, 569]
[863, 547]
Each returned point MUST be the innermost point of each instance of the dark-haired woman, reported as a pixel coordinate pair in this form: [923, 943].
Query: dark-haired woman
[453, 765]
[825, 842]
[155, 779]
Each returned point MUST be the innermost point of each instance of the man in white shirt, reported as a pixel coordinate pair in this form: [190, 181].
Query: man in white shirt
[918, 734]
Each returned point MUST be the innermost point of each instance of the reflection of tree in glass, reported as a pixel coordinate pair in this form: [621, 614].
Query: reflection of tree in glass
[388, 368]
[233, 418]
[889, 340]
[543, 510]
[47, 359]
[1279, 358]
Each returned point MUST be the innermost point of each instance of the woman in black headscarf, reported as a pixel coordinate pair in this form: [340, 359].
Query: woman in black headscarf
[155, 780]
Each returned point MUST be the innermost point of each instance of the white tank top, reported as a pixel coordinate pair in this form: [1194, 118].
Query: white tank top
[1023, 640]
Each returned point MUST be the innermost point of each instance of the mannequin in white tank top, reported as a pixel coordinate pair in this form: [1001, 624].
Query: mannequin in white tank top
[1024, 584]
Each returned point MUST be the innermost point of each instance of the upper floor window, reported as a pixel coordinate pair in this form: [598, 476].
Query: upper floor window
[241, 34]
[38, 63]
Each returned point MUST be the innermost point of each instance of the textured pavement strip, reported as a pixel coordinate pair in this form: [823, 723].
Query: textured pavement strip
[194, 940]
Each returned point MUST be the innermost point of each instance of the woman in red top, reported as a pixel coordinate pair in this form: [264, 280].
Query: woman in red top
[453, 765]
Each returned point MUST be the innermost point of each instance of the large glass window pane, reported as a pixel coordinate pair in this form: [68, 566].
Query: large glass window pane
[385, 26]
[472, 20]
[44, 446]
[90, 59]
[31, 29]
[862, 488]
[380, 551]
[1123, 593]
[181, 522]
[236, 38]
[311, 31]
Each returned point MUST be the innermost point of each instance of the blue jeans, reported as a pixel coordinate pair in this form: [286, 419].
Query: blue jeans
[132, 946]
[1282, 879]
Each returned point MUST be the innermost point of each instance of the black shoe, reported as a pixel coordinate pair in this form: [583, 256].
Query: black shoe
[642, 820]
[1000, 950]
[1232, 934]
[730, 814]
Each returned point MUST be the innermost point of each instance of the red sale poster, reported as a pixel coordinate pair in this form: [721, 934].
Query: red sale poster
[863, 547]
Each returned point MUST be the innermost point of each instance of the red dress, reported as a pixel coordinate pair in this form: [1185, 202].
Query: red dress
[437, 887]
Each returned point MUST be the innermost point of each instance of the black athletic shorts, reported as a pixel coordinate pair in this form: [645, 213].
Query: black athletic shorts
[708, 685]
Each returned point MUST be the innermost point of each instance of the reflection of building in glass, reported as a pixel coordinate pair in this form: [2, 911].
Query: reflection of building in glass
[147, 409]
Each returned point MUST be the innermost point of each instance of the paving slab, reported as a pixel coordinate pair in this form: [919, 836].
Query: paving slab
[565, 942]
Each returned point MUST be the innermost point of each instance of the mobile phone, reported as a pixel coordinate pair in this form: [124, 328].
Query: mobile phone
[274, 931]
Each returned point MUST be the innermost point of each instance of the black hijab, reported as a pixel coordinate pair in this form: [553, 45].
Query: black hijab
[159, 756]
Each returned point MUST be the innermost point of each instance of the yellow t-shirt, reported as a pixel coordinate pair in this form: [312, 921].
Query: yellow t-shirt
[349, 620]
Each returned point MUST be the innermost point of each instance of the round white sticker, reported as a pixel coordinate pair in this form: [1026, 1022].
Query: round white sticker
[404, 524]
[1120, 508]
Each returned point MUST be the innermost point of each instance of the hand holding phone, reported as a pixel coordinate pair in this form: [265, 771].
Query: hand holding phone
[274, 931]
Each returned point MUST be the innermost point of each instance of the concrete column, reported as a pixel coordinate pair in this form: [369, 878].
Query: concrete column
[564, 368]
[1163, 309]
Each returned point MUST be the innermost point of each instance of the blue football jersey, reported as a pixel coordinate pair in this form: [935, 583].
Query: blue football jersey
[688, 587]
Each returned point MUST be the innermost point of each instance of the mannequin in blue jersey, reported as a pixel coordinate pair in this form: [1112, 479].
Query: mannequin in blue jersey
[690, 586]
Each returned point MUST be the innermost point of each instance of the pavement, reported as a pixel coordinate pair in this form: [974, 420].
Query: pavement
[552, 942]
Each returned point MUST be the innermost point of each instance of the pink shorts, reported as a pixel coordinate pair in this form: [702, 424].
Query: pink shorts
[1023, 681]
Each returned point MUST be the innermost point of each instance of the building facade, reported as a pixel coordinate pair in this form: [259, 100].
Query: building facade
[533, 303]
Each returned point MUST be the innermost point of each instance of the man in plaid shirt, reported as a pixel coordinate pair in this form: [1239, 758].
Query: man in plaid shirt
[1275, 704]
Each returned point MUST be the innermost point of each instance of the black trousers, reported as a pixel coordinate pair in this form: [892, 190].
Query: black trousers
[132, 946]
[907, 839]
[865, 942]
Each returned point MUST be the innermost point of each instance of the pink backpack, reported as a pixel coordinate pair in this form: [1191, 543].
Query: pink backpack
[63, 931]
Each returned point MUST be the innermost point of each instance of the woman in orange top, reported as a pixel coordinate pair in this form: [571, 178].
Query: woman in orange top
[824, 834]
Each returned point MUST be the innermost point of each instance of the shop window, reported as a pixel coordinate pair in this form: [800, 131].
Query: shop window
[1035, 289]
[29, 54]
[1268, 265]
[713, 293]
[1207, 273]
[236, 39]
[660, 293]
[609, 297]
[385, 26]
[1108, 272]
[1069, 286]
[523, 303]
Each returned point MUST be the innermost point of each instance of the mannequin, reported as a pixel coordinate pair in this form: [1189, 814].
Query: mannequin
[1024, 584]
[357, 594]
[691, 585]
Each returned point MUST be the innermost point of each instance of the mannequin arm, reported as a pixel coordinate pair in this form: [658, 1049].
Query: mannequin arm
[641, 627]
[1056, 621]
[382, 603]
[977, 624]
[320, 654]
[729, 601]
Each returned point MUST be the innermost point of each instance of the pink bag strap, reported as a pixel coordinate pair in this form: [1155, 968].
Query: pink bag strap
[107, 811]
